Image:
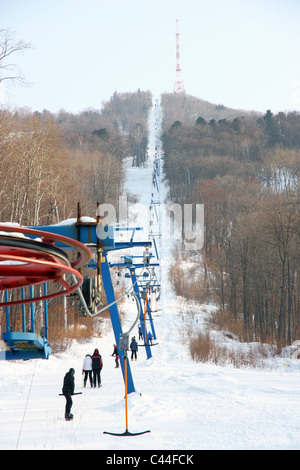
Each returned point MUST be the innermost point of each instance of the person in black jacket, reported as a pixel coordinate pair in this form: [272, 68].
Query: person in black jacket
[68, 391]
[115, 353]
[97, 365]
[134, 348]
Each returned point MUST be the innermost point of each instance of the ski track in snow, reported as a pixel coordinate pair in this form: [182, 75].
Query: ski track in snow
[185, 405]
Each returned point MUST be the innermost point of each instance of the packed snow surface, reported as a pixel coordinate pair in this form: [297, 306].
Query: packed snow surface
[185, 405]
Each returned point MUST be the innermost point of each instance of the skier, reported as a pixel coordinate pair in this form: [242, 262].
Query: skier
[150, 337]
[134, 348]
[97, 365]
[68, 391]
[140, 332]
[87, 369]
[115, 353]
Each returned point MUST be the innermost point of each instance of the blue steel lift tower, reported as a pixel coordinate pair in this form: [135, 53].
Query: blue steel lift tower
[141, 292]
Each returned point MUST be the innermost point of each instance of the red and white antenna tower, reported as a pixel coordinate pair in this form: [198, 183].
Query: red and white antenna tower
[179, 86]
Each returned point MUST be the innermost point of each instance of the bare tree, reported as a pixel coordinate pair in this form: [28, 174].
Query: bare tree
[10, 71]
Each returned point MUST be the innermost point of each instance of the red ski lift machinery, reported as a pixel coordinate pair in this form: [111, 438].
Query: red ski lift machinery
[30, 257]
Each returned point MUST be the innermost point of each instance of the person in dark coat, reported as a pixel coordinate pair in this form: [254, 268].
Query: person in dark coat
[150, 337]
[140, 332]
[97, 365]
[115, 353]
[134, 348]
[68, 391]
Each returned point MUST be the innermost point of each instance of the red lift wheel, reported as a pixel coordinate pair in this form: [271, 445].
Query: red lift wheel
[25, 261]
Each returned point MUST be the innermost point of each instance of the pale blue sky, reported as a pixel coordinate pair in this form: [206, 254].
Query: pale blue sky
[240, 53]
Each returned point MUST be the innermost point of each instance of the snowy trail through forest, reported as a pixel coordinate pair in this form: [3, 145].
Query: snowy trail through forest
[185, 405]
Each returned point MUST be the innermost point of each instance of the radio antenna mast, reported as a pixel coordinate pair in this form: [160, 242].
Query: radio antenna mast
[179, 86]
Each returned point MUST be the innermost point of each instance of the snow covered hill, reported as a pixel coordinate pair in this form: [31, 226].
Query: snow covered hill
[185, 405]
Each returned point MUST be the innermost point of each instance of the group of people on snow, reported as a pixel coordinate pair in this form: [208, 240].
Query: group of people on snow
[149, 335]
[91, 370]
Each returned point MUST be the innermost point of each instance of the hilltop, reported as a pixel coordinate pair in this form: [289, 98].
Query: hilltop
[186, 108]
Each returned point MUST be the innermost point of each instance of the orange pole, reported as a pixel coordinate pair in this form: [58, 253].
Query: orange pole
[145, 311]
[125, 373]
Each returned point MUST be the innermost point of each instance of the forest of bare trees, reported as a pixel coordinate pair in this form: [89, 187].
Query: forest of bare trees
[50, 162]
[245, 171]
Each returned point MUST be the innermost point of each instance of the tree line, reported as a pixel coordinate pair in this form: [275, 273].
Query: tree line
[49, 162]
[246, 173]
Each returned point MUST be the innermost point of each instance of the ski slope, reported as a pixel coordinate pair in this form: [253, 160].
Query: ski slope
[185, 405]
